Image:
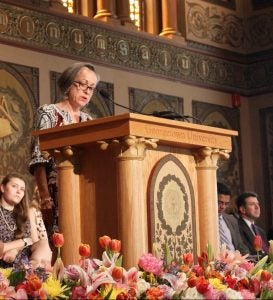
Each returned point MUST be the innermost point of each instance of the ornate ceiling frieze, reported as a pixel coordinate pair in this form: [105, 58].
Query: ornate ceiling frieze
[221, 28]
[77, 38]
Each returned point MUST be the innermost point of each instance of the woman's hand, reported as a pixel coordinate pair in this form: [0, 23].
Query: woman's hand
[10, 255]
[47, 203]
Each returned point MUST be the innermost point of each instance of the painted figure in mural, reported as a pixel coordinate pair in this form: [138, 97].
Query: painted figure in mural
[229, 233]
[6, 120]
[77, 84]
[249, 210]
[22, 232]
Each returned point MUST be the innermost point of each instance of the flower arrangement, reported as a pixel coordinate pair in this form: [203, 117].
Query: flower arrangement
[229, 275]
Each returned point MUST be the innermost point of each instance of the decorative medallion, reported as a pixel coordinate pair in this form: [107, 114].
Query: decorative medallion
[26, 27]
[77, 39]
[165, 60]
[203, 69]
[184, 64]
[53, 33]
[123, 50]
[101, 45]
[144, 55]
[172, 207]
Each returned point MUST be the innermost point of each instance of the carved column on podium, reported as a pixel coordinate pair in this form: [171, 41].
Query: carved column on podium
[69, 209]
[206, 165]
[133, 227]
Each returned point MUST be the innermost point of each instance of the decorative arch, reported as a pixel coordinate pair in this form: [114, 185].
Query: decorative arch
[229, 171]
[171, 208]
[18, 102]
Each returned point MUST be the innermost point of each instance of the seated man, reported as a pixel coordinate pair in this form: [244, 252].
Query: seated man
[228, 225]
[249, 211]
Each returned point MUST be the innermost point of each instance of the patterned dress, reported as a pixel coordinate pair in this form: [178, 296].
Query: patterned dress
[50, 116]
[7, 235]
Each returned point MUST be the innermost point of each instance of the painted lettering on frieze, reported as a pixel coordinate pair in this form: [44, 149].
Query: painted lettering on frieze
[53, 33]
[77, 40]
[123, 50]
[145, 55]
[26, 26]
[101, 44]
[165, 60]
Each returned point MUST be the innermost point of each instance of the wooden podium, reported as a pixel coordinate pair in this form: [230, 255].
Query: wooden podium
[104, 178]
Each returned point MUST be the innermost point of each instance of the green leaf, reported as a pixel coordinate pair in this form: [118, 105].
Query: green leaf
[270, 268]
[16, 277]
[259, 265]
[168, 257]
[109, 294]
[119, 261]
[210, 252]
[109, 252]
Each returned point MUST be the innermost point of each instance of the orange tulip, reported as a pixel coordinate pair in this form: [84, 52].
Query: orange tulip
[192, 281]
[188, 258]
[33, 284]
[115, 245]
[104, 241]
[58, 239]
[84, 250]
[154, 293]
[202, 285]
[265, 275]
[258, 243]
[117, 273]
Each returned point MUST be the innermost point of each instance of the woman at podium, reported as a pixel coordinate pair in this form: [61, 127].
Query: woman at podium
[77, 84]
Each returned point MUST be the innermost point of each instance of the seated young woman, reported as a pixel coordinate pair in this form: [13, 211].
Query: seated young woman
[20, 241]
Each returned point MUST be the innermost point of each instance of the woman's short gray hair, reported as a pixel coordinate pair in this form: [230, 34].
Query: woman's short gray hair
[68, 76]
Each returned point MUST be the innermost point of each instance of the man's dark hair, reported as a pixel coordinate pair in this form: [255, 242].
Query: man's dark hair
[223, 189]
[241, 200]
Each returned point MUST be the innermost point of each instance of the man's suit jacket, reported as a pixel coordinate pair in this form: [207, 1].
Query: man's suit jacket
[248, 236]
[232, 224]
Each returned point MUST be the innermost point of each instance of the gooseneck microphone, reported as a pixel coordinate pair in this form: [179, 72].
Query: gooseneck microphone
[171, 115]
[106, 95]
[174, 116]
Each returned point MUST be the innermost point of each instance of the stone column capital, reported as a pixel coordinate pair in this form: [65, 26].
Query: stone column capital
[207, 157]
[129, 147]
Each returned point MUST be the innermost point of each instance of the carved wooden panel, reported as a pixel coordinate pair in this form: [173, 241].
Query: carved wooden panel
[172, 208]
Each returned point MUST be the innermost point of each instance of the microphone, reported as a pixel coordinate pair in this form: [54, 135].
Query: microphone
[171, 115]
[106, 95]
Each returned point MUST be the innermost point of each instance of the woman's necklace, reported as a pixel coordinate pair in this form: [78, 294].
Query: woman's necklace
[11, 228]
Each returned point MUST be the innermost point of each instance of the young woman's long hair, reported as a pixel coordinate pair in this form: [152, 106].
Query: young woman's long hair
[20, 209]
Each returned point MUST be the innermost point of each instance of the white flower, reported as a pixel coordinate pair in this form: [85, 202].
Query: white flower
[192, 293]
[178, 282]
[142, 286]
[232, 294]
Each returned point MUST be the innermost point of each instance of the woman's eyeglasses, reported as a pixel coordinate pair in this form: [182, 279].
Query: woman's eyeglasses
[84, 86]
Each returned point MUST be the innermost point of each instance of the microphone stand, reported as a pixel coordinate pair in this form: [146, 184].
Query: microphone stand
[104, 94]
[161, 114]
